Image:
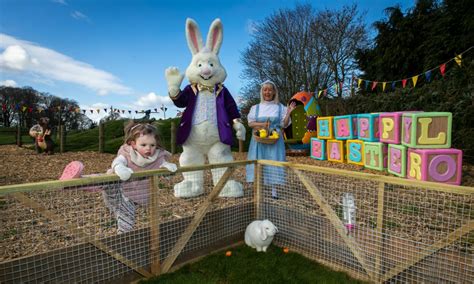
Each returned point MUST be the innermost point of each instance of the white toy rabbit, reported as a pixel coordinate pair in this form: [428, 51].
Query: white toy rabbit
[259, 234]
[210, 114]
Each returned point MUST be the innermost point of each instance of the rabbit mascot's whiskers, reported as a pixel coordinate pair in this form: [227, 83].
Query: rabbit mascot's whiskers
[210, 114]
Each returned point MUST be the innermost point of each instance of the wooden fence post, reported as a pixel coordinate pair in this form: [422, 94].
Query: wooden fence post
[18, 135]
[173, 137]
[241, 146]
[101, 137]
[61, 138]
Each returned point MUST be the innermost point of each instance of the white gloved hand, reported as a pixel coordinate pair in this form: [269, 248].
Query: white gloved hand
[169, 166]
[174, 79]
[240, 130]
[123, 171]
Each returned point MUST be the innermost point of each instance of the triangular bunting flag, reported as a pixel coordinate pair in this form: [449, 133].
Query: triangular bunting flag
[23, 108]
[442, 69]
[366, 84]
[374, 84]
[404, 83]
[129, 112]
[98, 110]
[359, 81]
[414, 80]
[325, 92]
[458, 59]
[383, 86]
[92, 111]
[105, 110]
[319, 93]
[428, 75]
[84, 111]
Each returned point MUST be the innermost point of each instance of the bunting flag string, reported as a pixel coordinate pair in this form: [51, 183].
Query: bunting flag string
[414, 79]
[61, 109]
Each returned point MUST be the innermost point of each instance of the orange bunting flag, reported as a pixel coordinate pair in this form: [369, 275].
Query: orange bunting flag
[458, 59]
[414, 80]
[404, 83]
[442, 69]
[374, 84]
[383, 86]
[359, 81]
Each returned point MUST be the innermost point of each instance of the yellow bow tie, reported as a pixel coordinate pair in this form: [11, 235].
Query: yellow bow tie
[202, 87]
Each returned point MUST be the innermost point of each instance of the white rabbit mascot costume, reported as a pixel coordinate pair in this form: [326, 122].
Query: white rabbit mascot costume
[211, 112]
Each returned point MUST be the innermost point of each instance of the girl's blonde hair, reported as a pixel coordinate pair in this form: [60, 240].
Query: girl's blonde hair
[275, 96]
[134, 130]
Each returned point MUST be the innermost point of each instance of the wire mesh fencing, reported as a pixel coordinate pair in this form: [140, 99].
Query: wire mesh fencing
[100, 229]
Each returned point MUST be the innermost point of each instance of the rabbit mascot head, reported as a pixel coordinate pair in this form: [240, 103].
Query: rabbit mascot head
[211, 114]
[259, 234]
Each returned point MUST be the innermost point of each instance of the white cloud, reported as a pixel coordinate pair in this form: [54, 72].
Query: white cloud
[151, 100]
[8, 83]
[37, 61]
[80, 16]
[62, 2]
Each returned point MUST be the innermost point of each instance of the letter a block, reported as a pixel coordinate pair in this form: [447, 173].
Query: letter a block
[335, 151]
[436, 165]
[318, 149]
[325, 128]
[397, 159]
[375, 155]
[343, 128]
[427, 130]
[355, 152]
[368, 127]
[389, 125]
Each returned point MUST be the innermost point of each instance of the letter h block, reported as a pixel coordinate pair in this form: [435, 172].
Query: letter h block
[318, 149]
[426, 130]
[436, 165]
[343, 128]
[335, 150]
[397, 160]
[390, 127]
[325, 128]
[355, 152]
[375, 155]
[368, 127]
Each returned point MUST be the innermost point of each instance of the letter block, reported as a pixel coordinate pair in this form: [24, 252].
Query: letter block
[343, 128]
[354, 126]
[375, 155]
[397, 160]
[335, 150]
[389, 125]
[426, 130]
[436, 165]
[318, 149]
[325, 128]
[355, 152]
[368, 127]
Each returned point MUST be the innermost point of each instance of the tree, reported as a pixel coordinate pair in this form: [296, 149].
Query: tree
[301, 49]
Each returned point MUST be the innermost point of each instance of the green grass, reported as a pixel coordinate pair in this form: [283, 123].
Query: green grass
[247, 266]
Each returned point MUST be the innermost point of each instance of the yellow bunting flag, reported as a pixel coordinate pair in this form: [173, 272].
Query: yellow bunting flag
[458, 59]
[23, 108]
[319, 93]
[98, 110]
[414, 80]
[359, 81]
[383, 86]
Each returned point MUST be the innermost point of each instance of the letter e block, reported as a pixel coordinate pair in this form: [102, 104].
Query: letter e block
[397, 160]
[355, 152]
[335, 149]
[325, 127]
[318, 149]
[436, 165]
[343, 128]
[375, 155]
[426, 130]
[368, 127]
[390, 127]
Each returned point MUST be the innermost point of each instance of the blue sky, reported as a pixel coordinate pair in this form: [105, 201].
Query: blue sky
[114, 52]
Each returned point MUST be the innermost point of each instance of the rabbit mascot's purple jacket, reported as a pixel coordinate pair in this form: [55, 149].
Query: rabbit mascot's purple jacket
[211, 114]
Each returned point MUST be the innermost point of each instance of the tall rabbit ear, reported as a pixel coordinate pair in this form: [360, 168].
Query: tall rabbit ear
[214, 36]
[193, 35]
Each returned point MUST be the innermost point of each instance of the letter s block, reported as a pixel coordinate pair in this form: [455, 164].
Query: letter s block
[325, 127]
[375, 155]
[426, 130]
[389, 125]
[368, 127]
[335, 149]
[318, 149]
[436, 165]
[343, 128]
[397, 160]
[355, 152]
